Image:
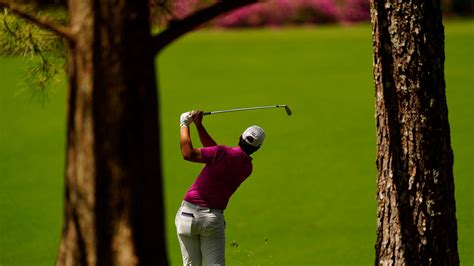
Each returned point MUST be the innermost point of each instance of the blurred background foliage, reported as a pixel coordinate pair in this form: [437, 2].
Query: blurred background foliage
[47, 51]
[274, 13]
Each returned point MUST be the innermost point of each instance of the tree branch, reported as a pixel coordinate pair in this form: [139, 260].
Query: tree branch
[42, 22]
[187, 24]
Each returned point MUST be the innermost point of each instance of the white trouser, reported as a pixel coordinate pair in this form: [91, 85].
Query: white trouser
[201, 234]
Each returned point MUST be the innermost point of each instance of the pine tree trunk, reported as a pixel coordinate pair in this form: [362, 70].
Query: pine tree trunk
[416, 223]
[114, 204]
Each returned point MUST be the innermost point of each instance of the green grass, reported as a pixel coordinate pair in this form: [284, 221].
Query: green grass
[31, 171]
[312, 194]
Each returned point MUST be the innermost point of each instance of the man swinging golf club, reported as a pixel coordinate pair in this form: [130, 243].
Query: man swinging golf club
[200, 220]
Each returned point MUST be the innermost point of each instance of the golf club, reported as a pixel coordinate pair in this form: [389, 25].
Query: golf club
[287, 109]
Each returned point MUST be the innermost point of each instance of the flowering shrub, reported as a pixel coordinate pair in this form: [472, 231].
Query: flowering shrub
[355, 11]
[288, 12]
[315, 11]
[283, 12]
[244, 17]
[272, 13]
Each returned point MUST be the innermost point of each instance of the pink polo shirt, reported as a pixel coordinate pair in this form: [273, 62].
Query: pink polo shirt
[226, 168]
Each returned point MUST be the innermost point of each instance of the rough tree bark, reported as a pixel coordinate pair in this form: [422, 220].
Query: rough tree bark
[416, 223]
[114, 205]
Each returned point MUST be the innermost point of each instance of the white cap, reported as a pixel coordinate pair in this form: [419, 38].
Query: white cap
[254, 136]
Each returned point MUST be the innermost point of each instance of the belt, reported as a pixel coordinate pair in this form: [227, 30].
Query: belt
[200, 208]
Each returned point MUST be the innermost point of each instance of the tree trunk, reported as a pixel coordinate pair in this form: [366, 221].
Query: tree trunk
[114, 205]
[416, 223]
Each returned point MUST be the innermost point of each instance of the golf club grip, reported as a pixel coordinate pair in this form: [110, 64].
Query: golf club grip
[206, 113]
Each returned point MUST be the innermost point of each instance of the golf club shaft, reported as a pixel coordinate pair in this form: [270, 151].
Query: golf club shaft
[243, 109]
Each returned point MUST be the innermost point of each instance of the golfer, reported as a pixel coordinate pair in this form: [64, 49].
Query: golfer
[200, 220]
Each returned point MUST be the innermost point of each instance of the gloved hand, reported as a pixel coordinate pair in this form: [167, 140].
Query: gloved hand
[197, 117]
[185, 119]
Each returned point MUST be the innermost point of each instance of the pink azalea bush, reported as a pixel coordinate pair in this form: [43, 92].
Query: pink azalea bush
[355, 11]
[272, 13]
[283, 12]
[314, 12]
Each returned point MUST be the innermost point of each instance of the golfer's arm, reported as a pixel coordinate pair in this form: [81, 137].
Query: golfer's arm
[206, 139]
[189, 153]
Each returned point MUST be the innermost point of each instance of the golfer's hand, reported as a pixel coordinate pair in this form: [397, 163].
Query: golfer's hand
[185, 119]
[197, 117]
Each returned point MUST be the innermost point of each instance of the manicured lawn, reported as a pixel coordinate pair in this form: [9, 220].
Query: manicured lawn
[311, 199]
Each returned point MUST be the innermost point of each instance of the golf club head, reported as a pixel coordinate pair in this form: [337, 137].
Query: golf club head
[288, 110]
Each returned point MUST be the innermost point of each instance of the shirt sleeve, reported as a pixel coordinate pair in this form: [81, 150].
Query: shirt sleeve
[212, 154]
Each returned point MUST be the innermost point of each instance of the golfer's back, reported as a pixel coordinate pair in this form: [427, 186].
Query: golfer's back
[226, 168]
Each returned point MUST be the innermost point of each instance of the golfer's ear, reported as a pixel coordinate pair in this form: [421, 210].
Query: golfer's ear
[193, 156]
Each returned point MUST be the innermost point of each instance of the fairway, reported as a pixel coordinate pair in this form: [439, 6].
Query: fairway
[311, 198]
